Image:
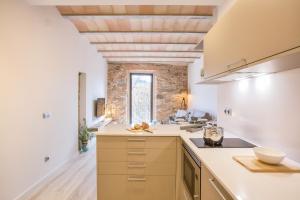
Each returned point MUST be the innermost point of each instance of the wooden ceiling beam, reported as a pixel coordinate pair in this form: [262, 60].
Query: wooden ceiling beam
[128, 2]
[149, 60]
[193, 57]
[130, 16]
[139, 32]
[142, 51]
[157, 62]
[145, 43]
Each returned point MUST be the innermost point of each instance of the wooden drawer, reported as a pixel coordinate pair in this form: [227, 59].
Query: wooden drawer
[113, 142]
[110, 142]
[112, 187]
[136, 168]
[127, 187]
[161, 142]
[137, 155]
[211, 189]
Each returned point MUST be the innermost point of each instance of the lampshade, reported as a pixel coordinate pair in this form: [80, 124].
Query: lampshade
[183, 92]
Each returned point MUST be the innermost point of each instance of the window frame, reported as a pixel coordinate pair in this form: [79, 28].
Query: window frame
[130, 94]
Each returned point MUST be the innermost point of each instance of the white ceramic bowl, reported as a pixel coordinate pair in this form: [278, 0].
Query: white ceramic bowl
[268, 155]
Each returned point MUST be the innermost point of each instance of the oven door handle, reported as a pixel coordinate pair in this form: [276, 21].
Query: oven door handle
[212, 182]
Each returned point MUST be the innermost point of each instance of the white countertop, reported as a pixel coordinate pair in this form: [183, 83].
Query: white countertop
[237, 180]
[241, 183]
[158, 130]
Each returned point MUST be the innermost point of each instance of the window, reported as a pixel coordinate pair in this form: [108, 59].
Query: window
[141, 98]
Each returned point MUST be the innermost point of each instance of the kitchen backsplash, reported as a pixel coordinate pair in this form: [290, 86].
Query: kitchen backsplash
[265, 110]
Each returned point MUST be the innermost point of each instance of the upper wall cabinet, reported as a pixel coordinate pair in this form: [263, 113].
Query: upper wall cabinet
[250, 31]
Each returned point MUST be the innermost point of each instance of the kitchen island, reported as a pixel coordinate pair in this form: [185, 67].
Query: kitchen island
[138, 165]
[155, 164]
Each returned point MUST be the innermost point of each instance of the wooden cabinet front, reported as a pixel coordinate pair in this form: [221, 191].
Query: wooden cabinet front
[132, 187]
[250, 31]
[136, 168]
[211, 188]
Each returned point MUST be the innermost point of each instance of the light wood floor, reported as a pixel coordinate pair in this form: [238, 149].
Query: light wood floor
[76, 180]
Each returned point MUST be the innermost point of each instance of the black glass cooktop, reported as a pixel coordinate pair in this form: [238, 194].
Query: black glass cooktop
[227, 143]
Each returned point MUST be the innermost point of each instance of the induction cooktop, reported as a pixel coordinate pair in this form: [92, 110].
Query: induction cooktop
[227, 143]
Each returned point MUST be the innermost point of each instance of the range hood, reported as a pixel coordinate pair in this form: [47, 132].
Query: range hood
[280, 62]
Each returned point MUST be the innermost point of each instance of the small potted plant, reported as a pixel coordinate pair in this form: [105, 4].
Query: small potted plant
[84, 136]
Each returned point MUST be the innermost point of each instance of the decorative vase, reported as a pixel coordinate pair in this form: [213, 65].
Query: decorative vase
[84, 147]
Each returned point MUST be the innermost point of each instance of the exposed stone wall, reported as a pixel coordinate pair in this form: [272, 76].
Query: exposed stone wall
[169, 80]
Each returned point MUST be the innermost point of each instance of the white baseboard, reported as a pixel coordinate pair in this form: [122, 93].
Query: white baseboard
[42, 181]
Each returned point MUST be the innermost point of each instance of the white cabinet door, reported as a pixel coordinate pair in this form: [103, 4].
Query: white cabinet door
[250, 31]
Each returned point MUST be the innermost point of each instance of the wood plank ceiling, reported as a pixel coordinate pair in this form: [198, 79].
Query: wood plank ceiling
[143, 34]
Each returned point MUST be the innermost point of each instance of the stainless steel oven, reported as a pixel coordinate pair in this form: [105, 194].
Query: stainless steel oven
[191, 172]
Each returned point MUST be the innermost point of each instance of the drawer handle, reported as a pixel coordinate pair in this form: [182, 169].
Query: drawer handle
[136, 179]
[136, 153]
[136, 140]
[243, 60]
[212, 182]
[136, 166]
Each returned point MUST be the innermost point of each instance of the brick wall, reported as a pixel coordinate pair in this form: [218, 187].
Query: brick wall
[169, 80]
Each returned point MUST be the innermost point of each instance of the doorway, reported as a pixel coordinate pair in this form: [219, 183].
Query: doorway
[81, 101]
[141, 97]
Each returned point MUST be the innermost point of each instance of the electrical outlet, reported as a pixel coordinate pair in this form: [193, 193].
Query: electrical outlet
[225, 111]
[46, 115]
[228, 111]
[46, 159]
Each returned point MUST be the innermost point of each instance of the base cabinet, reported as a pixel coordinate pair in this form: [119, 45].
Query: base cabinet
[211, 188]
[116, 187]
[184, 193]
[136, 168]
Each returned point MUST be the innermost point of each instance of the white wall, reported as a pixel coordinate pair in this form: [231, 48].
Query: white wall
[265, 110]
[40, 57]
[222, 9]
[205, 97]
[201, 97]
